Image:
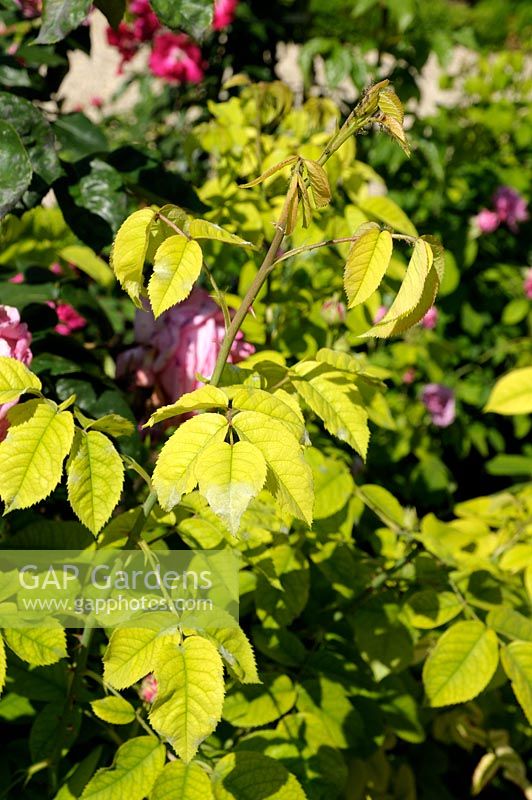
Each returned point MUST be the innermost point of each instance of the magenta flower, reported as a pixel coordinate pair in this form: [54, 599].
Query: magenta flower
[125, 41]
[176, 58]
[182, 344]
[527, 284]
[380, 314]
[333, 312]
[440, 403]
[430, 320]
[15, 340]
[148, 688]
[510, 207]
[69, 319]
[146, 24]
[224, 13]
[486, 221]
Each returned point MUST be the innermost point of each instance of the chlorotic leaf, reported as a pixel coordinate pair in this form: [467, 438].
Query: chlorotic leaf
[271, 406]
[254, 706]
[95, 480]
[130, 655]
[319, 183]
[237, 652]
[39, 646]
[2, 664]
[230, 476]
[190, 692]
[200, 399]
[292, 476]
[129, 252]
[32, 456]
[174, 474]
[113, 425]
[15, 380]
[426, 301]
[136, 767]
[202, 229]
[335, 400]
[390, 104]
[410, 292]
[244, 774]
[517, 662]
[366, 265]
[269, 172]
[115, 710]
[385, 210]
[176, 268]
[179, 781]
[512, 394]
[430, 609]
[461, 665]
[510, 623]
[87, 261]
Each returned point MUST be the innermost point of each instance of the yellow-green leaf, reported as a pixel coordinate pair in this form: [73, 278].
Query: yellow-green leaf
[319, 183]
[179, 781]
[39, 646]
[430, 609]
[87, 261]
[385, 210]
[95, 480]
[254, 706]
[512, 394]
[176, 267]
[269, 172]
[2, 664]
[190, 692]
[135, 769]
[390, 104]
[129, 655]
[235, 649]
[335, 400]
[461, 665]
[411, 292]
[175, 472]
[129, 252]
[517, 662]
[15, 380]
[509, 622]
[366, 265]
[230, 476]
[271, 406]
[32, 456]
[292, 476]
[238, 775]
[114, 710]
[202, 229]
[200, 399]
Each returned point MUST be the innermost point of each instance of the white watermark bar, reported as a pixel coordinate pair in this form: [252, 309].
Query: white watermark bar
[107, 588]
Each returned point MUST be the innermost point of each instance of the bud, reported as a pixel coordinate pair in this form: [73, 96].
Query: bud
[333, 312]
[148, 688]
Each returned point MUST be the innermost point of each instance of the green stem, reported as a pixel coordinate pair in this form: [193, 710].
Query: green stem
[144, 513]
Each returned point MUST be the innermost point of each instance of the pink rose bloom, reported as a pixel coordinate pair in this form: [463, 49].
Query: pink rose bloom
[146, 23]
[30, 8]
[176, 58]
[409, 376]
[380, 314]
[18, 278]
[333, 312]
[181, 344]
[148, 688]
[486, 221]
[125, 41]
[440, 403]
[69, 319]
[224, 13]
[510, 207]
[56, 268]
[527, 285]
[15, 340]
[430, 320]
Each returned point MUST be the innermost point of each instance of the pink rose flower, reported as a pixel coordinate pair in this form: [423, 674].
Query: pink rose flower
[527, 284]
[380, 314]
[510, 207]
[69, 319]
[440, 403]
[224, 13]
[333, 312]
[18, 278]
[125, 41]
[15, 340]
[181, 344]
[148, 688]
[430, 320]
[486, 221]
[146, 23]
[409, 376]
[176, 58]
